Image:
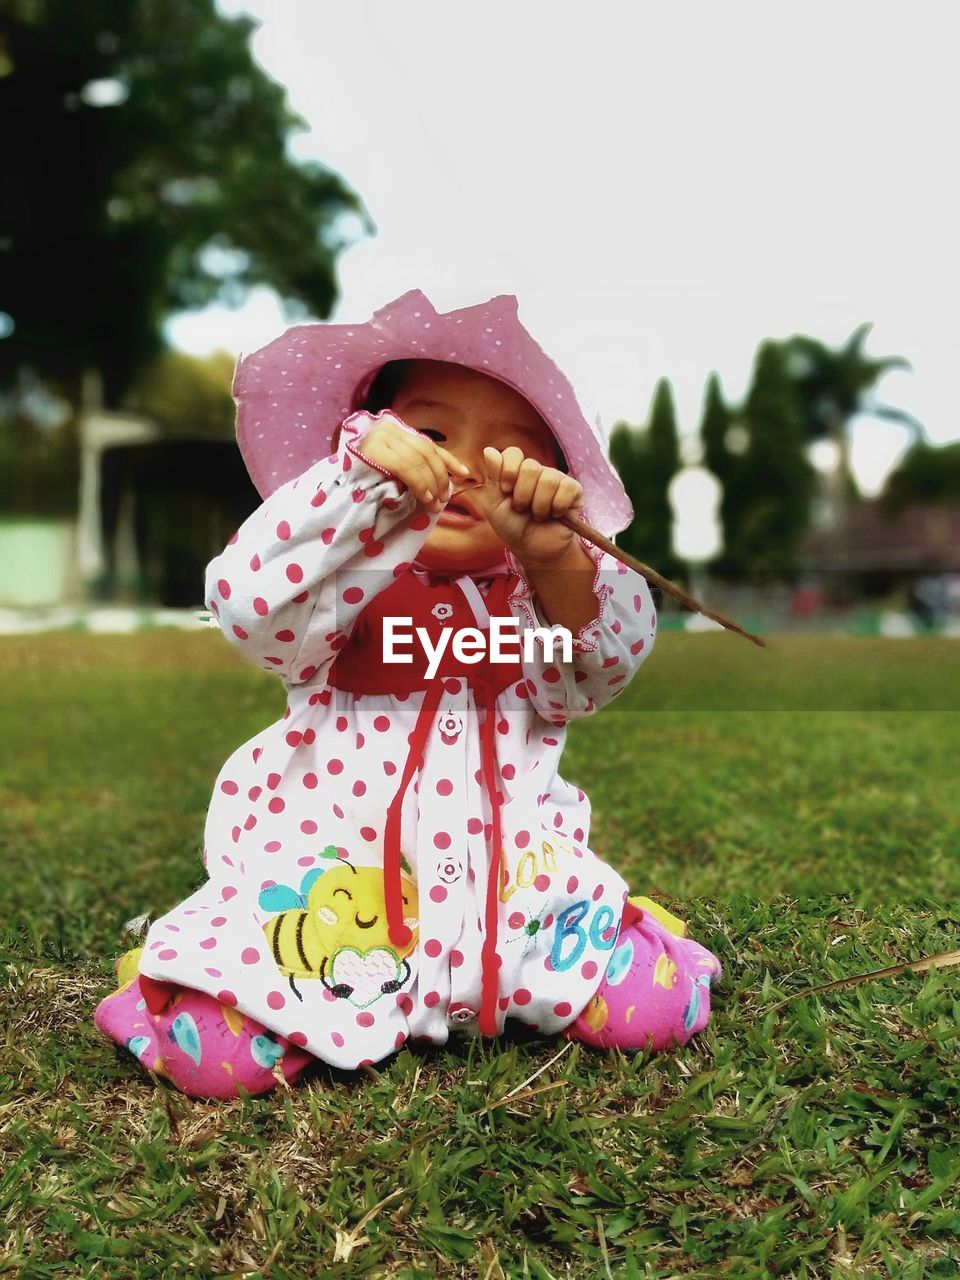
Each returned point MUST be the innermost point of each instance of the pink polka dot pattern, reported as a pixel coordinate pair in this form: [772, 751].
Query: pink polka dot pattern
[326, 772]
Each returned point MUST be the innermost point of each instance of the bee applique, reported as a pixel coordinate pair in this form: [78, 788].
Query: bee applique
[335, 929]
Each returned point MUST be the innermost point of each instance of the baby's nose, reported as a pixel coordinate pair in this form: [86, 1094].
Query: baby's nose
[472, 458]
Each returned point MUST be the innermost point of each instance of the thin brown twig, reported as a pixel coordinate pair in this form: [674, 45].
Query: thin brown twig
[943, 959]
[655, 579]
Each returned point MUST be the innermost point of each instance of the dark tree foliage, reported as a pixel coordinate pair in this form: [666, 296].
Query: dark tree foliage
[109, 212]
[834, 385]
[926, 474]
[769, 486]
[714, 426]
[646, 462]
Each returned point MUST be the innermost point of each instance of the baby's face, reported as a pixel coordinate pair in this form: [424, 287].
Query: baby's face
[465, 411]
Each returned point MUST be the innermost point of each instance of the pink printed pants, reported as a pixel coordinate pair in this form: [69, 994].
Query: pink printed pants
[655, 994]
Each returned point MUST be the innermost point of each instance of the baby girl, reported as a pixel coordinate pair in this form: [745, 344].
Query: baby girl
[398, 856]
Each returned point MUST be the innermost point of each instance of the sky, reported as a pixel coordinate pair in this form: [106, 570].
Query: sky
[662, 186]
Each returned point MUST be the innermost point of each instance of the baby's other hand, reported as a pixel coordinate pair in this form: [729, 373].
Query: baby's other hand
[521, 500]
[412, 458]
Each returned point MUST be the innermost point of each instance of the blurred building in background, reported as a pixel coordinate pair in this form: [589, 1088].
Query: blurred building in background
[872, 553]
[156, 497]
[156, 505]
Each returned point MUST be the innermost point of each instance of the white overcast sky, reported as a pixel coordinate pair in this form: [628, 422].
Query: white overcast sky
[662, 186]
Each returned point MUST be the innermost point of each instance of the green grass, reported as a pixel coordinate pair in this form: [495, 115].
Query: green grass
[798, 807]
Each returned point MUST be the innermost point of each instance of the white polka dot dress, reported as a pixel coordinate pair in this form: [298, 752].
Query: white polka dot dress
[291, 926]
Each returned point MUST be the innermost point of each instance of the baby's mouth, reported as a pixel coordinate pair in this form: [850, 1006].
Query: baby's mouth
[457, 513]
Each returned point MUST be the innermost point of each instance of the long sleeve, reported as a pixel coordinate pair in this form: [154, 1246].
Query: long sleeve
[607, 651]
[291, 582]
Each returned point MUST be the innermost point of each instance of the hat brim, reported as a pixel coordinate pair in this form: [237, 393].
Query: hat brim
[294, 392]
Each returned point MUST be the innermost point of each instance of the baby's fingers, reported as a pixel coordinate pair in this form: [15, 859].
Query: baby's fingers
[568, 500]
[547, 487]
[421, 471]
[452, 464]
[503, 468]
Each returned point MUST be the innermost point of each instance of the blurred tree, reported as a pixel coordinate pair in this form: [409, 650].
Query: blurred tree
[186, 390]
[720, 435]
[646, 462]
[714, 425]
[834, 386]
[145, 171]
[768, 479]
[926, 474]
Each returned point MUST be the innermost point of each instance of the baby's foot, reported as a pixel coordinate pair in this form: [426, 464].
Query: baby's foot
[205, 1048]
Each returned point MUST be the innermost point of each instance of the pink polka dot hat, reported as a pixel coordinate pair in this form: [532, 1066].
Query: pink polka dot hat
[293, 393]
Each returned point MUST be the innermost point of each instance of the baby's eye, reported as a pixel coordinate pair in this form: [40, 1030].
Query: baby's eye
[432, 433]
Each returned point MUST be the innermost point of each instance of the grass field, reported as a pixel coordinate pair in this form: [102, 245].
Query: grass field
[799, 807]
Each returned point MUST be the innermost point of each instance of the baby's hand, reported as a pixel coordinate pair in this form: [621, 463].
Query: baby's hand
[413, 458]
[521, 499]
